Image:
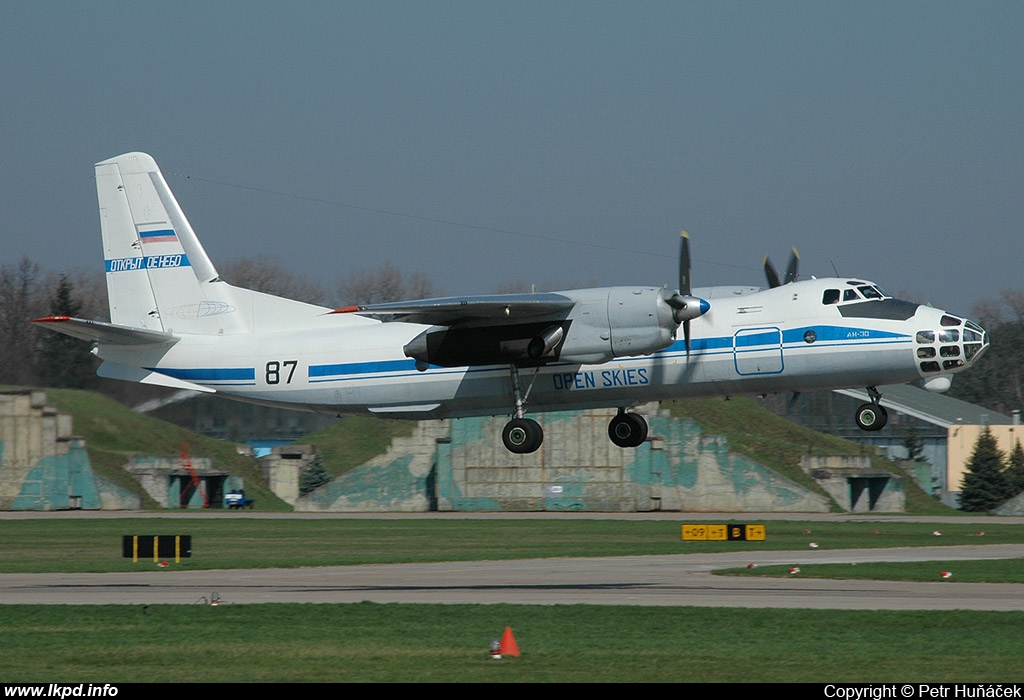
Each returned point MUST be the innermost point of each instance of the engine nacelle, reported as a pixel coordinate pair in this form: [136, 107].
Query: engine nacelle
[611, 322]
[604, 323]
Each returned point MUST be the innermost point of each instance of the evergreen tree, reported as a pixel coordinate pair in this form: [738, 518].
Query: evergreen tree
[315, 476]
[64, 361]
[1015, 471]
[914, 444]
[985, 484]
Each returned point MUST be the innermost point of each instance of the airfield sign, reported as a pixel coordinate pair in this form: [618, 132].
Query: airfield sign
[723, 533]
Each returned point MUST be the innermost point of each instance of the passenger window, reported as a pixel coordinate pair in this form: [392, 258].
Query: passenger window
[926, 336]
[831, 296]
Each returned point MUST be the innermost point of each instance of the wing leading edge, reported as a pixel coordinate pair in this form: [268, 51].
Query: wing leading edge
[456, 311]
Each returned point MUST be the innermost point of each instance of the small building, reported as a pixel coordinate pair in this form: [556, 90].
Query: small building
[173, 484]
[944, 429]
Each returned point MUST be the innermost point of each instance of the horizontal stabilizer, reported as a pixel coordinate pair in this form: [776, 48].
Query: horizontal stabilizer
[113, 370]
[104, 333]
[452, 311]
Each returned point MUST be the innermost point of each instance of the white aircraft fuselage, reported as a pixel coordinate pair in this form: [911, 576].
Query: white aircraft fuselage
[174, 322]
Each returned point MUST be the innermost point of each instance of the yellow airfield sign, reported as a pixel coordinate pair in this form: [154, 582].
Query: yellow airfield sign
[723, 533]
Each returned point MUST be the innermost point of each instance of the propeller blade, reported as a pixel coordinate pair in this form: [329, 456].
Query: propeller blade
[684, 264]
[791, 270]
[771, 274]
[794, 262]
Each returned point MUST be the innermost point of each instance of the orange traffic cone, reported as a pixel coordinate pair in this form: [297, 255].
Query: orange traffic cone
[508, 644]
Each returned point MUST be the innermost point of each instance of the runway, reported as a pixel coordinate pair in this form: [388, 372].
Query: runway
[672, 580]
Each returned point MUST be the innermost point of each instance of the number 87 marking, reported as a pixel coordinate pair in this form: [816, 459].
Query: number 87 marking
[273, 371]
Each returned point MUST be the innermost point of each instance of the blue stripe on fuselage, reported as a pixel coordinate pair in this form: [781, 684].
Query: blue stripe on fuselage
[326, 373]
[209, 375]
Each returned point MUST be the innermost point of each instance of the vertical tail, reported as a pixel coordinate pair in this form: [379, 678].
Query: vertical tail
[158, 275]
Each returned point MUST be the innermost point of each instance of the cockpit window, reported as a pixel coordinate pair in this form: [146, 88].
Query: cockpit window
[926, 336]
[948, 320]
[831, 296]
[850, 295]
[870, 292]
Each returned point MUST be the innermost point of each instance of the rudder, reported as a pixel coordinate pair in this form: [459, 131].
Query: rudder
[158, 275]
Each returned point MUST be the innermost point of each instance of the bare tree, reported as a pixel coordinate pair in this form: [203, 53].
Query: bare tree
[386, 283]
[265, 273]
[20, 300]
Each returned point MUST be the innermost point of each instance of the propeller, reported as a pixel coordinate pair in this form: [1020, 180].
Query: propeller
[791, 271]
[686, 307]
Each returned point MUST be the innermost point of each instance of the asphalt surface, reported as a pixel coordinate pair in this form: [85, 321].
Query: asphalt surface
[683, 579]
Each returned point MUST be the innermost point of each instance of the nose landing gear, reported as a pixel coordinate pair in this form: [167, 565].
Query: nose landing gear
[872, 416]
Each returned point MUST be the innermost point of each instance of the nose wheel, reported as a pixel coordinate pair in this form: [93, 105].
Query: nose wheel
[872, 416]
[627, 429]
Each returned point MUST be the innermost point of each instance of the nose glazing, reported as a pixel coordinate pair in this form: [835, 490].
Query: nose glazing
[954, 345]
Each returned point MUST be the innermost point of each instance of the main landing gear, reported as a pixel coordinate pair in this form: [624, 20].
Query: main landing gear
[523, 435]
[872, 416]
[627, 429]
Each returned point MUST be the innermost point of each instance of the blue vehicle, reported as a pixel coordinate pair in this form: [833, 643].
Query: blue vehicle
[236, 500]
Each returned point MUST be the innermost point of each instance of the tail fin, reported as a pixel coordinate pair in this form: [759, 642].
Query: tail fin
[159, 277]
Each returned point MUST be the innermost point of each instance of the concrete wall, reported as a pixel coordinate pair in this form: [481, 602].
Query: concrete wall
[462, 466]
[42, 467]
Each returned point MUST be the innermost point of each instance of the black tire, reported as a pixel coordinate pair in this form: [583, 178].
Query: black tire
[871, 417]
[522, 436]
[627, 430]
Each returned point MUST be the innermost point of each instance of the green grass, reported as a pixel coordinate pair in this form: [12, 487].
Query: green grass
[355, 440]
[94, 545]
[449, 643]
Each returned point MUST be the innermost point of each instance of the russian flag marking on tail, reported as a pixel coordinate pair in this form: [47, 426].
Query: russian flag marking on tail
[160, 236]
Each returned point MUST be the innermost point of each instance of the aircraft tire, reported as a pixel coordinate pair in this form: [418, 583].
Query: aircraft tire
[627, 430]
[871, 417]
[522, 435]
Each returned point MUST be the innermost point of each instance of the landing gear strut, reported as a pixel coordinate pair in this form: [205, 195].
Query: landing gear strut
[521, 435]
[871, 416]
[627, 429]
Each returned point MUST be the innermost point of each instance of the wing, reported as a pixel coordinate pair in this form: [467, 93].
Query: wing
[471, 310]
[482, 330]
[104, 333]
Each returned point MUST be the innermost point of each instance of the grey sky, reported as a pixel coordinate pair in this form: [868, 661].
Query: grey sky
[558, 143]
